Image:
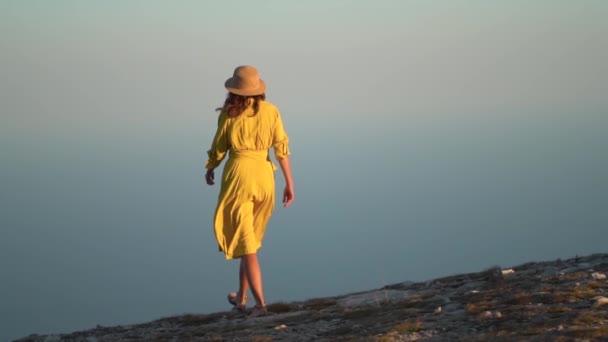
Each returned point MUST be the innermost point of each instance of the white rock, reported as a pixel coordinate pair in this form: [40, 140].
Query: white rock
[485, 315]
[507, 271]
[598, 276]
[600, 301]
[438, 310]
[280, 327]
[489, 314]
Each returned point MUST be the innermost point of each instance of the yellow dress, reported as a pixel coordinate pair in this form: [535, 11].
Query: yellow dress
[247, 192]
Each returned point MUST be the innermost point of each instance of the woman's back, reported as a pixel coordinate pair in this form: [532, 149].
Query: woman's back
[259, 131]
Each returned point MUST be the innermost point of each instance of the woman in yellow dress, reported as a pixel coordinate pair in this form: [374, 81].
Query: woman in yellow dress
[248, 126]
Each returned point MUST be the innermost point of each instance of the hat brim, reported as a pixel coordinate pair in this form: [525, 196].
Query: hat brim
[230, 86]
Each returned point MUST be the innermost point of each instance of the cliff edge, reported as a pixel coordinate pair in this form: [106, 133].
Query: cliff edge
[561, 300]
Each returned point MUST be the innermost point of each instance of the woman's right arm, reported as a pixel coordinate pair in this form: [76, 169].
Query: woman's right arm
[218, 149]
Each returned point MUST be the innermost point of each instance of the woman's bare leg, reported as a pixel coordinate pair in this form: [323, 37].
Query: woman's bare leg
[241, 296]
[254, 277]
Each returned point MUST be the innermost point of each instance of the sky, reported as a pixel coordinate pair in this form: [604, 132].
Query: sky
[427, 139]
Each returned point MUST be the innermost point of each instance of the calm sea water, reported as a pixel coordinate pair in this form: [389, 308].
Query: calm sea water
[114, 228]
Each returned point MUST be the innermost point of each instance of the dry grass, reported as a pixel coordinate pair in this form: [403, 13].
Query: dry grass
[476, 308]
[589, 332]
[521, 298]
[536, 330]
[420, 301]
[568, 277]
[319, 303]
[591, 317]
[557, 309]
[279, 307]
[408, 327]
[584, 292]
[596, 284]
[574, 294]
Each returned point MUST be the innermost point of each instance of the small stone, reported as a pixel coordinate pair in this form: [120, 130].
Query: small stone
[438, 310]
[560, 327]
[475, 291]
[507, 271]
[280, 327]
[485, 315]
[569, 270]
[489, 314]
[598, 276]
[600, 301]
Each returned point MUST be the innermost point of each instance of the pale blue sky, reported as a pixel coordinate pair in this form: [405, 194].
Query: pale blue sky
[428, 138]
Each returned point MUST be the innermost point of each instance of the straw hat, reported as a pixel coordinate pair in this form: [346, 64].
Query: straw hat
[246, 81]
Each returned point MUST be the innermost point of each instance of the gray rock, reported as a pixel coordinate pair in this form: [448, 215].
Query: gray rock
[549, 271]
[569, 270]
[452, 307]
[375, 298]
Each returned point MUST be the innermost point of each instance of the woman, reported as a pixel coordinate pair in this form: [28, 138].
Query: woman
[248, 126]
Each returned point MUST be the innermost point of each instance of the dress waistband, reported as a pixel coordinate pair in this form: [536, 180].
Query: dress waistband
[261, 155]
[255, 154]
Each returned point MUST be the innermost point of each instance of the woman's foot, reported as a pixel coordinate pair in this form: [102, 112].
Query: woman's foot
[233, 298]
[258, 311]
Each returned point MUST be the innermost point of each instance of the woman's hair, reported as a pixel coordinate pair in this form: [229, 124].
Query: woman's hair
[235, 104]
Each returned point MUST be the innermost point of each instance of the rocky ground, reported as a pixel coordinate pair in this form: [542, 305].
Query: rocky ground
[562, 300]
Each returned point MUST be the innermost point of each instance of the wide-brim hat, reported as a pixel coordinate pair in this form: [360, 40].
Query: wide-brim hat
[245, 81]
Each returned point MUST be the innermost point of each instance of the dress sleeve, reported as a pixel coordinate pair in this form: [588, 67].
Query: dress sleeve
[280, 140]
[219, 146]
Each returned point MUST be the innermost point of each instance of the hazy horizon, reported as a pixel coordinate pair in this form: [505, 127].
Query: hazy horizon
[427, 139]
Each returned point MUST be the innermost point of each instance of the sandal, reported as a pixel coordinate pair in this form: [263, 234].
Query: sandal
[232, 299]
[258, 311]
